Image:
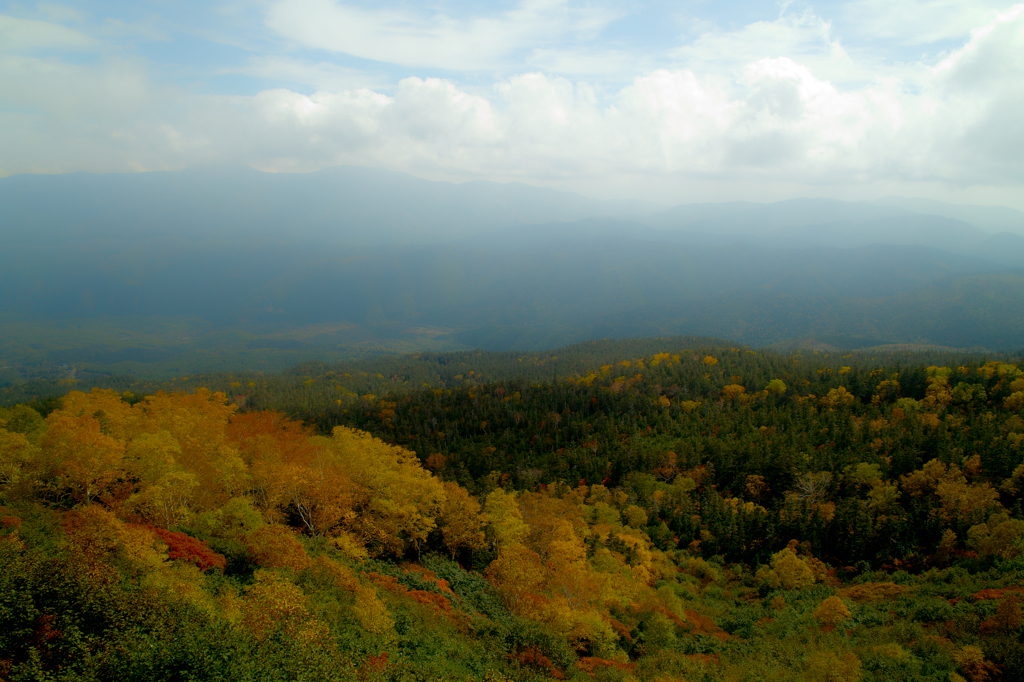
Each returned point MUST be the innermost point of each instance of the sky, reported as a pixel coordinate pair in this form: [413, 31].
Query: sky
[673, 102]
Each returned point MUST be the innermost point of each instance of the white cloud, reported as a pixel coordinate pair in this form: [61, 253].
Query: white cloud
[60, 117]
[605, 64]
[320, 75]
[791, 35]
[18, 35]
[981, 86]
[418, 39]
[918, 22]
[59, 13]
[994, 54]
[116, 91]
[781, 112]
[788, 124]
[805, 38]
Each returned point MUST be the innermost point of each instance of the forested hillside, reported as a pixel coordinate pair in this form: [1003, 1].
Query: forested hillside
[663, 509]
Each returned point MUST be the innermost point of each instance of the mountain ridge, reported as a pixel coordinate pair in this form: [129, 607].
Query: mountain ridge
[260, 269]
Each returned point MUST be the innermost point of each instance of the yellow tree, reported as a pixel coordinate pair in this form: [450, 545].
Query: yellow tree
[77, 451]
[460, 520]
[506, 519]
[371, 612]
[276, 546]
[198, 422]
[937, 393]
[274, 448]
[16, 452]
[396, 501]
[733, 391]
[832, 612]
[544, 514]
[164, 488]
[517, 573]
[568, 574]
[960, 501]
[115, 416]
[787, 571]
[838, 397]
[316, 481]
[274, 605]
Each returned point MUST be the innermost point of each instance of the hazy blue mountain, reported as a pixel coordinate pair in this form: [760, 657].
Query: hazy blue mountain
[989, 218]
[361, 206]
[350, 205]
[198, 263]
[561, 276]
[800, 223]
[744, 217]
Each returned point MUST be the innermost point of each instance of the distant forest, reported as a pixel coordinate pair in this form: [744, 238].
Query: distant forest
[653, 509]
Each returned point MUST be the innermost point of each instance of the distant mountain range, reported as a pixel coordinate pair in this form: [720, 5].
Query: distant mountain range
[345, 205]
[485, 264]
[362, 206]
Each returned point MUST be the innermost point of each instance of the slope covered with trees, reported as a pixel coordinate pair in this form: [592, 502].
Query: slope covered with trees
[684, 511]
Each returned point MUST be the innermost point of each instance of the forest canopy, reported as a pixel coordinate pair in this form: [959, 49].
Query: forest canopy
[686, 512]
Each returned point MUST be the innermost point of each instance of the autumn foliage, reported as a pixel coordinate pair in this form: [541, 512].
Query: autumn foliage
[186, 548]
[834, 525]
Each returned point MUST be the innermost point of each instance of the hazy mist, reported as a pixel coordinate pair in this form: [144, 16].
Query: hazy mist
[499, 266]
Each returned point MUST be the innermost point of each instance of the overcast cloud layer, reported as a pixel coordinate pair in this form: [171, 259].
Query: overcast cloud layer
[673, 103]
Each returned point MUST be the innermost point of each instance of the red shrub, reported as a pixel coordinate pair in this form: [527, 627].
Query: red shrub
[534, 658]
[373, 665]
[589, 664]
[187, 548]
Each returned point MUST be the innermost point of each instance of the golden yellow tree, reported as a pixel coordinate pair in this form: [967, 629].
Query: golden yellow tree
[276, 546]
[460, 520]
[273, 448]
[787, 571]
[733, 391]
[164, 488]
[198, 423]
[79, 453]
[116, 417]
[317, 483]
[832, 612]
[16, 453]
[395, 500]
[959, 500]
[505, 518]
[517, 573]
[273, 604]
[567, 570]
